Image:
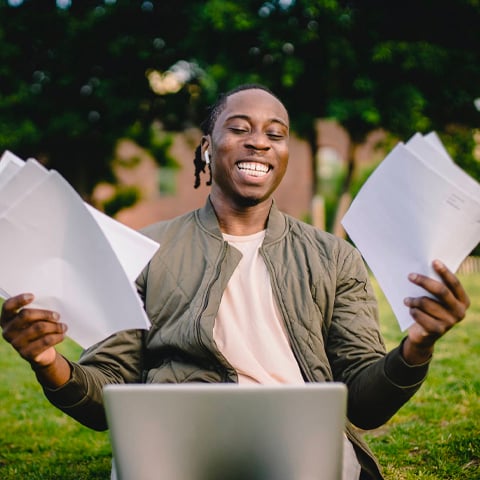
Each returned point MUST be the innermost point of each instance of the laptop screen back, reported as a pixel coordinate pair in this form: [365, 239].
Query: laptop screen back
[226, 431]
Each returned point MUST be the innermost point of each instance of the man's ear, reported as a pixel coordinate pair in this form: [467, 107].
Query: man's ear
[204, 145]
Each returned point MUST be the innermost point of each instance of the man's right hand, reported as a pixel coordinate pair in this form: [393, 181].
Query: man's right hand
[34, 333]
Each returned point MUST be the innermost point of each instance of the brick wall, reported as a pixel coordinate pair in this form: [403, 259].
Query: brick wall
[293, 195]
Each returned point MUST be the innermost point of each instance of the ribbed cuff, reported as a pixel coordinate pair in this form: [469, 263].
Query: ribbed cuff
[71, 393]
[400, 372]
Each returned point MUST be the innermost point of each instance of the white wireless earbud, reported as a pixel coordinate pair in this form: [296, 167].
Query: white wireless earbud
[207, 158]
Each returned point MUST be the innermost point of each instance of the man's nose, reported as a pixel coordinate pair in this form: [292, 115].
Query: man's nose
[257, 141]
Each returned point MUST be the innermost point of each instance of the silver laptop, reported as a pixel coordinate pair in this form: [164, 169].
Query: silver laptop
[226, 431]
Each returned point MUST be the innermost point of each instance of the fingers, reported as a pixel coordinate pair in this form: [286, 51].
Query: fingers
[433, 320]
[38, 350]
[30, 331]
[451, 301]
[13, 305]
[436, 314]
[453, 283]
[35, 329]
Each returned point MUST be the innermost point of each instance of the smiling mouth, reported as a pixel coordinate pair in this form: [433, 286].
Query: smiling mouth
[254, 169]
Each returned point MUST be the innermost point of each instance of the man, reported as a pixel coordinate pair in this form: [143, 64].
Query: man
[240, 292]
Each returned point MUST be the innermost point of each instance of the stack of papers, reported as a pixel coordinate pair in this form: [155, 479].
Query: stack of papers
[73, 258]
[417, 206]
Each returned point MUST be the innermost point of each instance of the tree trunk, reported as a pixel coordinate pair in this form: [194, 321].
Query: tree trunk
[345, 197]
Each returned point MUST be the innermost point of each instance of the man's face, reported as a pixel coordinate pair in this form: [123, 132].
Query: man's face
[249, 147]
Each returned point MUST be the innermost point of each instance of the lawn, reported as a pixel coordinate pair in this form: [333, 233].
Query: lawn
[36, 440]
[435, 436]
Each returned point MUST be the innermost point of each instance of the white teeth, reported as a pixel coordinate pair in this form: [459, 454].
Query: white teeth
[253, 168]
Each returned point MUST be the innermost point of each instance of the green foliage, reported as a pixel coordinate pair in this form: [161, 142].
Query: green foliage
[124, 197]
[156, 140]
[460, 143]
[228, 16]
[75, 79]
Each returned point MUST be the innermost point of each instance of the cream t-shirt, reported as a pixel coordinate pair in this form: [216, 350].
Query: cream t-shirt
[248, 329]
[251, 335]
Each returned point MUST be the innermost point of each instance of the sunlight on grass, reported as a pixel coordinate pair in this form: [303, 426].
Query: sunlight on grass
[435, 436]
[37, 441]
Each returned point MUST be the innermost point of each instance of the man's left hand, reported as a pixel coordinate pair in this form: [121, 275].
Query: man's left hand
[433, 316]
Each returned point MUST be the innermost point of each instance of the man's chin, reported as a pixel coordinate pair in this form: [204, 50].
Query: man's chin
[248, 201]
[252, 198]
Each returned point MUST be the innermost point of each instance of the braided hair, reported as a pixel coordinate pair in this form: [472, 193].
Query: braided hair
[213, 112]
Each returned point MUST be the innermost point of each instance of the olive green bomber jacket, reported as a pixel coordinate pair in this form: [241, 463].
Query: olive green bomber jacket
[324, 295]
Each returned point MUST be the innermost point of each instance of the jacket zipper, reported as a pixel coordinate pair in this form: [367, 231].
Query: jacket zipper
[206, 297]
[293, 341]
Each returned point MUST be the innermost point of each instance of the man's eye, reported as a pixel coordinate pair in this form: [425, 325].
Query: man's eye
[238, 129]
[275, 135]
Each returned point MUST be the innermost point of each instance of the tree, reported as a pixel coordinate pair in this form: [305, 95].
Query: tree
[73, 80]
[98, 70]
[405, 67]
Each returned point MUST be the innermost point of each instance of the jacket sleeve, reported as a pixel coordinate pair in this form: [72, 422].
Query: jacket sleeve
[118, 359]
[378, 383]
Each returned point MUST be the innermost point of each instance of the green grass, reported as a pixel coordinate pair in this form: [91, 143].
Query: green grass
[435, 436]
[36, 440]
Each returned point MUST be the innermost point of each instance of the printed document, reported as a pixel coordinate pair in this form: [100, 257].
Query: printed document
[417, 206]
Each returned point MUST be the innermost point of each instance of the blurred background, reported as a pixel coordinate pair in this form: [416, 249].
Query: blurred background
[111, 92]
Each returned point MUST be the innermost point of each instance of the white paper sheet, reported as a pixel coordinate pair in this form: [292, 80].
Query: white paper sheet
[75, 260]
[439, 160]
[133, 249]
[21, 183]
[9, 165]
[414, 208]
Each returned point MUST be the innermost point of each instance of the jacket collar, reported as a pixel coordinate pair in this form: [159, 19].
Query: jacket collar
[276, 223]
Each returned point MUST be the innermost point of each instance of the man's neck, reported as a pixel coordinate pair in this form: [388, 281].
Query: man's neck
[235, 220]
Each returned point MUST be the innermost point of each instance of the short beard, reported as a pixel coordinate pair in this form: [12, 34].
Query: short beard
[247, 201]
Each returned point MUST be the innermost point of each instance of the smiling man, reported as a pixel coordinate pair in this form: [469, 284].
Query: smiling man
[248, 148]
[240, 292]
